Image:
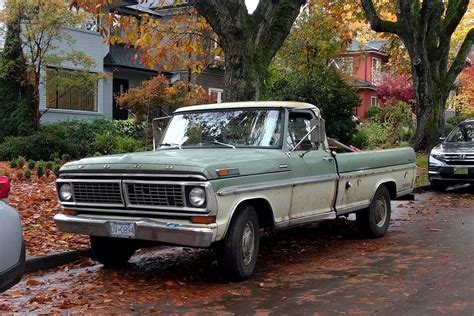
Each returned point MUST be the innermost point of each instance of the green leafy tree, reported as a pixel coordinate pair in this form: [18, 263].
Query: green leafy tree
[43, 27]
[426, 29]
[15, 117]
[327, 90]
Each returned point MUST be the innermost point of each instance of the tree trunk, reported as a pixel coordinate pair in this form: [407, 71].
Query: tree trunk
[249, 41]
[35, 101]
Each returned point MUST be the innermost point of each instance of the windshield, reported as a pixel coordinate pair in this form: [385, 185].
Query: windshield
[228, 128]
[462, 133]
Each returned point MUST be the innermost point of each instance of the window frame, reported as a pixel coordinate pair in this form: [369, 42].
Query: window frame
[376, 71]
[57, 98]
[372, 98]
[218, 91]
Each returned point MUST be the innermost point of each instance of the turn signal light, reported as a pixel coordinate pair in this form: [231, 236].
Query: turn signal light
[70, 212]
[4, 187]
[228, 172]
[203, 219]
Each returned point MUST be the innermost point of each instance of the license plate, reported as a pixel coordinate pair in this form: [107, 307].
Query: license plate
[122, 230]
[461, 170]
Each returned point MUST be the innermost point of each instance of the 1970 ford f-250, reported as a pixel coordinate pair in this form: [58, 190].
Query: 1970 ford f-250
[223, 173]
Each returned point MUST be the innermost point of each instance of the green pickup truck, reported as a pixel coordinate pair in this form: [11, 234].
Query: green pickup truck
[223, 174]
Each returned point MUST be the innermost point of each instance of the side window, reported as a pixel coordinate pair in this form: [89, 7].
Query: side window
[298, 126]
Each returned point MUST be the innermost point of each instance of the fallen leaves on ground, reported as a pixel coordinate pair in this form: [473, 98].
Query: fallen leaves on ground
[36, 202]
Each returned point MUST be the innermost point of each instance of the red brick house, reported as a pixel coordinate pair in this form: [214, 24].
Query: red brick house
[364, 64]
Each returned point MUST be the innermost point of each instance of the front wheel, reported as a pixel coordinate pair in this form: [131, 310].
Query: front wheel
[375, 220]
[237, 253]
[112, 252]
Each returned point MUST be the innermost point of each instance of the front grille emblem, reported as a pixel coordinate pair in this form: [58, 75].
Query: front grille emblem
[106, 166]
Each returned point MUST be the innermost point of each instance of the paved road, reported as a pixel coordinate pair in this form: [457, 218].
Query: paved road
[424, 266]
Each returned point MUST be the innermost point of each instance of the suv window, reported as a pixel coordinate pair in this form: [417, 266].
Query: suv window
[464, 132]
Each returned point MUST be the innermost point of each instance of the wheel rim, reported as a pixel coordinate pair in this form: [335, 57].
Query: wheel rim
[248, 243]
[381, 211]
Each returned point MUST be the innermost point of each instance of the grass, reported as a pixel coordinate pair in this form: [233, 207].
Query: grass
[422, 163]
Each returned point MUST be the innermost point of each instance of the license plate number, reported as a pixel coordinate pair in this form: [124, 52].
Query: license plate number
[122, 230]
[462, 170]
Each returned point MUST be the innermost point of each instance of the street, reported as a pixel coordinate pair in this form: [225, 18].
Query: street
[424, 266]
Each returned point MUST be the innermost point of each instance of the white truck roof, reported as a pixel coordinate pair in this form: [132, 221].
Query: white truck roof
[250, 104]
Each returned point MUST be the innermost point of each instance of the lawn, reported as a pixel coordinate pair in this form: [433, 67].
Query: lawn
[422, 163]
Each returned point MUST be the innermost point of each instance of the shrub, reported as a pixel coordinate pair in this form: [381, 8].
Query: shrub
[21, 161]
[37, 146]
[56, 169]
[39, 170]
[108, 143]
[66, 157]
[377, 135]
[49, 165]
[13, 163]
[373, 113]
[31, 164]
[27, 174]
[360, 139]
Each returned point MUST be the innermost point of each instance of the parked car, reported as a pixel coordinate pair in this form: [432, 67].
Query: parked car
[220, 174]
[12, 246]
[452, 161]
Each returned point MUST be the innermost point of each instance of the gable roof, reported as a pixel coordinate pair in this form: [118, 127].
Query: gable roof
[373, 46]
[121, 56]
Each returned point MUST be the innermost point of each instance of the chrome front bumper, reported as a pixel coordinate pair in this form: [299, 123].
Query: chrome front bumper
[145, 229]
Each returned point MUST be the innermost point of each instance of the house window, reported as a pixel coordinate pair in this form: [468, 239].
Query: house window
[376, 70]
[346, 65]
[374, 101]
[62, 93]
[217, 93]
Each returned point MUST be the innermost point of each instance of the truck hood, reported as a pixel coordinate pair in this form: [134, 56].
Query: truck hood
[201, 161]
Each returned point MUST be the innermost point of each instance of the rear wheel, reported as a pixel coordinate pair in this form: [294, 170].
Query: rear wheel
[237, 253]
[112, 252]
[375, 220]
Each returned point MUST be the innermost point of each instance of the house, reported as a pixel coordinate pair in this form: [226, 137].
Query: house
[364, 64]
[122, 69]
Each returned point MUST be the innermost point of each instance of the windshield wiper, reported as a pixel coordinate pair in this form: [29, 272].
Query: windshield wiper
[171, 145]
[223, 144]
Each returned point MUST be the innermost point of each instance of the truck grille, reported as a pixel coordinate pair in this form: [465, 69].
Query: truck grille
[459, 159]
[97, 193]
[151, 194]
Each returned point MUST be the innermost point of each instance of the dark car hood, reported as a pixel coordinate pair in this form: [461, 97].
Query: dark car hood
[459, 147]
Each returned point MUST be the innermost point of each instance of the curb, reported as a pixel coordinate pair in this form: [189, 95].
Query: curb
[34, 264]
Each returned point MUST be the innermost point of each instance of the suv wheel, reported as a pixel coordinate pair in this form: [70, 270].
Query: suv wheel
[112, 252]
[237, 253]
[375, 220]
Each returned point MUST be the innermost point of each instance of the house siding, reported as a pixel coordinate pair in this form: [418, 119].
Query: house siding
[92, 43]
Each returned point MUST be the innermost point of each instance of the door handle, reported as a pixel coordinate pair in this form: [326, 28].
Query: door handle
[328, 158]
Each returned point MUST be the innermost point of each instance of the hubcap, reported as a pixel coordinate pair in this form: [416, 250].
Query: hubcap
[248, 243]
[381, 211]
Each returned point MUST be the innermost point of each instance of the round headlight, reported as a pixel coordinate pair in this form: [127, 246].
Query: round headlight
[65, 192]
[197, 197]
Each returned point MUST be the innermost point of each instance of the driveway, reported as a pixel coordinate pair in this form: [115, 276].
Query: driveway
[424, 266]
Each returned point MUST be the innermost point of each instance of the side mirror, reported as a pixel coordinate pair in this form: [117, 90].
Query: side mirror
[442, 139]
[158, 125]
[318, 130]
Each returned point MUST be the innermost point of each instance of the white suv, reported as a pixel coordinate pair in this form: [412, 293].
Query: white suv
[12, 246]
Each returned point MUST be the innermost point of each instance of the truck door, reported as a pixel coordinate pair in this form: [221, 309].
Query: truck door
[313, 170]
